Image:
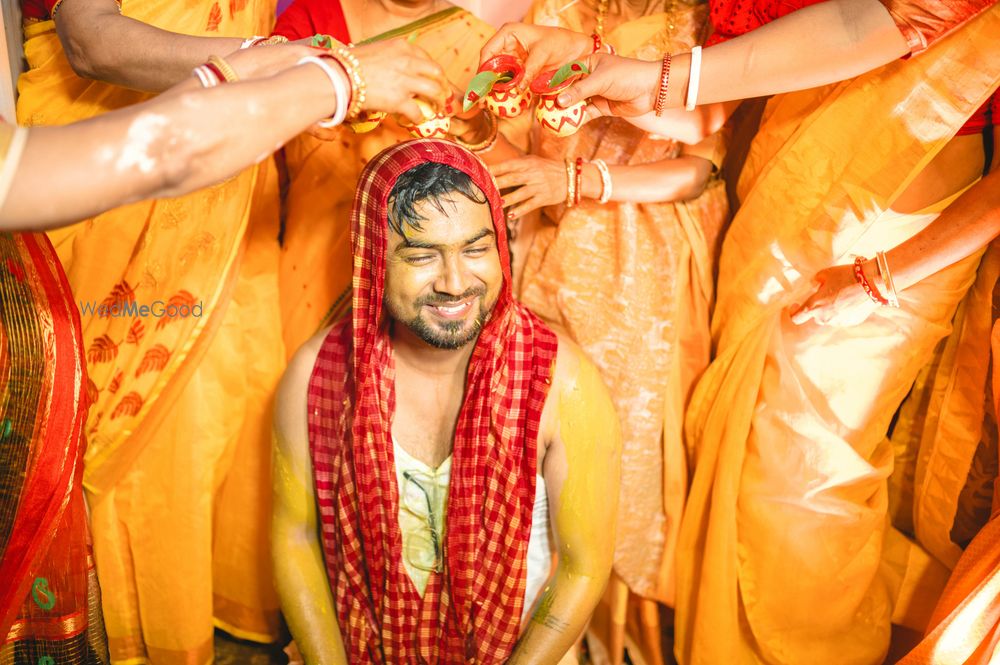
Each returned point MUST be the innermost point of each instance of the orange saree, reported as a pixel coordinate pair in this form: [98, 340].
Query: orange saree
[965, 626]
[784, 548]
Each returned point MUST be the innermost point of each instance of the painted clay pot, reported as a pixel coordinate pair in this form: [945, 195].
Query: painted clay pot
[435, 126]
[560, 121]
[507, 99]
[367, 121]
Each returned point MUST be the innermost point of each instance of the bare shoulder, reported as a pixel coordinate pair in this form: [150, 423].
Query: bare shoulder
[577, 389]
[290, 401]
[573, 371]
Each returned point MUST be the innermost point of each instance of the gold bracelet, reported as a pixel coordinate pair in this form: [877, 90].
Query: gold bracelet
[224, 68]
[352, 67]
[570, 183]
[493, 130]
[272, 40]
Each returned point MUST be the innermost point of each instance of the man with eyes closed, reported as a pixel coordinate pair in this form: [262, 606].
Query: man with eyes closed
[447, 466]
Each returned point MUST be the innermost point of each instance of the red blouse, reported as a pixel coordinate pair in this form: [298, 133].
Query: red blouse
[38, 9]
[305, 18]
[732, 18]
[42, 10]
[988, 115]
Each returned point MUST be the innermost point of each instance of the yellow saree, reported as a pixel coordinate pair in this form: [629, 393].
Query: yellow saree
[965, 627]
[632, 283]
[177, 467]
[781, 556]
[316, 255]
[945, 439]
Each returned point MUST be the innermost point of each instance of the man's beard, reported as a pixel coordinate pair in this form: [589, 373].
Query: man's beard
[449, 335]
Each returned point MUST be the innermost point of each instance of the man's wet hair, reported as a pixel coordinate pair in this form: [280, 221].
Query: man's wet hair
[430, 181]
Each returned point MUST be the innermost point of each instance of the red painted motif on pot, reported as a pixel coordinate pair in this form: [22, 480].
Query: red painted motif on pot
[508, 102]
[560, 121]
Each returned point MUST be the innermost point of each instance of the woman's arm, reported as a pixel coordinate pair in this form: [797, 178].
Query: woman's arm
[541, 182]
[966, 226]
[816, 45]
[102, 44]
[190, 137]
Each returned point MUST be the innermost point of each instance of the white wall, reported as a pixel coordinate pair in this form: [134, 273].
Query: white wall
[12, 64]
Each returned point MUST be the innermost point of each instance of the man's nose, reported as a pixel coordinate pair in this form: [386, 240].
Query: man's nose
[453, 279]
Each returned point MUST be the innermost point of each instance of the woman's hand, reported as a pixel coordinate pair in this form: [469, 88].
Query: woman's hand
[622, 87]
[395, 73]
[540, 47]
[540, 182]
[837, 299]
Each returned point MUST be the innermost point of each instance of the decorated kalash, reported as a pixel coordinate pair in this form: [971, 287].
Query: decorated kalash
[499, 84]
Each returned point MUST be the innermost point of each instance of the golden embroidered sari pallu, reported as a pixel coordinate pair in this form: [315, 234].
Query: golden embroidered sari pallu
[160, 383]
[789, 488]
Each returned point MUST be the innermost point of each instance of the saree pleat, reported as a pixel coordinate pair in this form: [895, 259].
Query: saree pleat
[160, 391]
[780, 555]
[965, 628]
[943, 489]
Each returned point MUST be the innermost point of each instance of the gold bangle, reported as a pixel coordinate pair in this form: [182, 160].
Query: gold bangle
[493, 130]
[272, 40]
[570, 183]
[352, 67]
[224, 68]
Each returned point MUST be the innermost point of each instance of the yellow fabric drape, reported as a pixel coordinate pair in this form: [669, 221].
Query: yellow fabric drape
[966, 624]
[632, 284]
[941, 440]
[781, 545]
[316, 257]
[178, 460]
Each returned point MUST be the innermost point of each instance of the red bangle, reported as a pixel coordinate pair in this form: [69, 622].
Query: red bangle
[579, 181]
[212, 67]
[661, 94]
[859, 275]
[598, 42]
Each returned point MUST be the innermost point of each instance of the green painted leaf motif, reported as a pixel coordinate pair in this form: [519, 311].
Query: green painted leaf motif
[479, 87]
[566, 71]
[321, 41]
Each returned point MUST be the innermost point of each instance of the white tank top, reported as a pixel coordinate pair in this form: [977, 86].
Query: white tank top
[423, 500]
